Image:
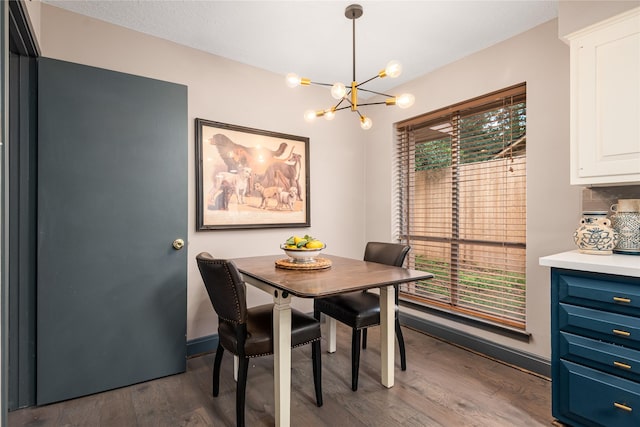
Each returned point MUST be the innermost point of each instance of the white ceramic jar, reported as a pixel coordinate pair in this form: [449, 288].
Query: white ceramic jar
[595, 235]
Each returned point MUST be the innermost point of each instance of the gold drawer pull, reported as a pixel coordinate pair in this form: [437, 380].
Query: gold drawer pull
[621, 406]
[622, 333]
[620, 299]
[621, 365]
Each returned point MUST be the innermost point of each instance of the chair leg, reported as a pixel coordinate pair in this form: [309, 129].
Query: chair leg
[216, 370]
[364, 338]
[317, 370]
[355, 358]
[403, 355]
[241, 390]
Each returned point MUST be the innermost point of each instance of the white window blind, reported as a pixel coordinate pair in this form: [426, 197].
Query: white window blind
[461, 205]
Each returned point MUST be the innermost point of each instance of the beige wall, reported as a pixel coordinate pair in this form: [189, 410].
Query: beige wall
[574, 15]
[351, 171]
[230, 92]
[540, 59]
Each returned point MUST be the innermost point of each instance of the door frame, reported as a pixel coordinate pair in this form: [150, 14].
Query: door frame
[17, 37]
[4, 343]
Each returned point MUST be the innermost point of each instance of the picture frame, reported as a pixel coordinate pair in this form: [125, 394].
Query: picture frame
[250, 178]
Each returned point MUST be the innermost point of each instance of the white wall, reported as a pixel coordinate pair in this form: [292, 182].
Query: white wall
[230, 92]
[540, 59]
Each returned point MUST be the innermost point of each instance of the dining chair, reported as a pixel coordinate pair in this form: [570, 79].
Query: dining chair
[248, 332]
[361, 310]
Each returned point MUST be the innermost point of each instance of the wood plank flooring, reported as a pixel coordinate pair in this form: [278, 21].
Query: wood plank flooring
[443, 385]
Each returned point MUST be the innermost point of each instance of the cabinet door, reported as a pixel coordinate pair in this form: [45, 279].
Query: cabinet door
[593, 398]
[605, 102]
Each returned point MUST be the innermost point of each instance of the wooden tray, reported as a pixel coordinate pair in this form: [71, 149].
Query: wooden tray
[319, 264]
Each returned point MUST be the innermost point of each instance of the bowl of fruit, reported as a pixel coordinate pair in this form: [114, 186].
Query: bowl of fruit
[302, 249]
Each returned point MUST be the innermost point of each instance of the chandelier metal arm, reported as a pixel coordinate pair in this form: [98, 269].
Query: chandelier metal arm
[342, 108]
[367, 81]
[346, 99]
[377, 93]
[372, 103]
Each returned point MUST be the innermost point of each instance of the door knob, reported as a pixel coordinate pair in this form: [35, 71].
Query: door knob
[178, 244]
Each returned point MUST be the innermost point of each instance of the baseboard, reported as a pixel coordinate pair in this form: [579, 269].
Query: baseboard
[202, 345]
[520, 359]
[523, 360]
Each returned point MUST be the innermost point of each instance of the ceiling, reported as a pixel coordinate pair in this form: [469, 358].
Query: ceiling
[314, 38]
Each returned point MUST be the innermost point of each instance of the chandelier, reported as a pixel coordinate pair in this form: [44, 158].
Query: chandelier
[348, 97]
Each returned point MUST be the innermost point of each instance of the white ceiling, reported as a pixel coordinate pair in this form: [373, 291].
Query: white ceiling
[314, 38]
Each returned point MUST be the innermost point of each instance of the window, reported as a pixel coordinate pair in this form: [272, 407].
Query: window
[461, 205]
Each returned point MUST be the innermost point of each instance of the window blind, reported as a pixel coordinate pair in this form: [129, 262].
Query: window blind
[461, 205]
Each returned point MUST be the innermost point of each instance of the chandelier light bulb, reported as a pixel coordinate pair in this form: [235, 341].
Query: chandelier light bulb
[293, 80]
[309, 116]
[365, 123]
[329, 114]
[338, 90]
[405, 100]
[393, 69]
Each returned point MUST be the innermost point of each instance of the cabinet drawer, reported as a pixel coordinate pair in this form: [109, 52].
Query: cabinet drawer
[616, 328]
[614, 359]
[606, 294]
[595, 398]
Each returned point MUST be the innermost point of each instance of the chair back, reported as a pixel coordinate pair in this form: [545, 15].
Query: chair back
[225, 287]
[386, 253]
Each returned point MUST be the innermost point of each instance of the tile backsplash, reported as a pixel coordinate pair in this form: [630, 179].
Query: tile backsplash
[601, 198]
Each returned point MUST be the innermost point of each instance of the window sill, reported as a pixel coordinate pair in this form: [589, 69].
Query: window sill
[518, 334]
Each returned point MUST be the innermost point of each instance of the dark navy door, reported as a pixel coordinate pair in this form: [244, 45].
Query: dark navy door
[112, 198]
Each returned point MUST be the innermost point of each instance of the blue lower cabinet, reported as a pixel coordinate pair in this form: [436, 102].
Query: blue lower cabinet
[595, 349]
[593, 398]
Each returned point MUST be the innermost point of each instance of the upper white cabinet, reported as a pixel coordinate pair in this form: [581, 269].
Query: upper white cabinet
[605, 102]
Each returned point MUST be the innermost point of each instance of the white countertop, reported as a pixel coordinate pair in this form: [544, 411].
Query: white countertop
[623, 265]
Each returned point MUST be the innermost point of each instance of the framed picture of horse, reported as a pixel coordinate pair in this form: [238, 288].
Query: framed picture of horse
[250, 178]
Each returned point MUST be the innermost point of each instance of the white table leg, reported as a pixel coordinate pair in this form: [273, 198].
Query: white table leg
[331, 324]
[282, 358]
[387, 334]
[236, 365]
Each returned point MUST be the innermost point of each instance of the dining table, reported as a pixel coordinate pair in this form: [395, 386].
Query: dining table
[338, 275]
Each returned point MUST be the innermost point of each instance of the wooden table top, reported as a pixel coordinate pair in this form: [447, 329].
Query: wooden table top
[344, 275]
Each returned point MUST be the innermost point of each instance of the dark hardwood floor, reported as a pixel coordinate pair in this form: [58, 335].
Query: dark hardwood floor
[443, 385]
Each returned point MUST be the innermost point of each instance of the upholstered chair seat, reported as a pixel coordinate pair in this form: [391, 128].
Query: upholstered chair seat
[259, 340]
[358, 310]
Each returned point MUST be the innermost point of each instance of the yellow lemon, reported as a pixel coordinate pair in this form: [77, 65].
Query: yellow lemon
[297, 239]
[315, 244]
